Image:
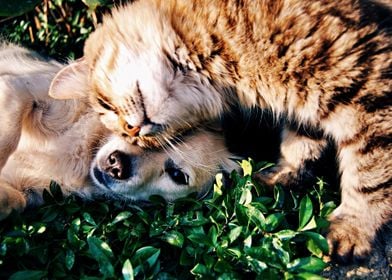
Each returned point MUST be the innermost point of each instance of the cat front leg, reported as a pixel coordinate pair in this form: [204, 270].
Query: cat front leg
[297, 149]
[366, 187]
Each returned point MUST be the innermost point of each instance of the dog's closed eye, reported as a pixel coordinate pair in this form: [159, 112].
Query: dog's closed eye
[178, 176]
[175, 173]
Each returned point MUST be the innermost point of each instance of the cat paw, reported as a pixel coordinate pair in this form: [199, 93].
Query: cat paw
[277, 175]
[349, 242]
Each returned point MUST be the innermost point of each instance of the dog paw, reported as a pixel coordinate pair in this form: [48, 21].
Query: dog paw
[348, 241]
[10, 199]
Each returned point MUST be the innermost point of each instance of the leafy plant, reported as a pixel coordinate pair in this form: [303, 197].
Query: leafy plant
[53, 27]
[242, 230]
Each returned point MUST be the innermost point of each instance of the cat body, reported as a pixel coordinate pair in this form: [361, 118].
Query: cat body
[156, 68]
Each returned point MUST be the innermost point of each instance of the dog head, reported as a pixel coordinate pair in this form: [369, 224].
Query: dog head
[123, 170]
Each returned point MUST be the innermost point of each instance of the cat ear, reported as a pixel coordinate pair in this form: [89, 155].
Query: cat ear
[71, 81]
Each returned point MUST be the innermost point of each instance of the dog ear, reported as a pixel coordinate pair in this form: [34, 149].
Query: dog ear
[71, 81]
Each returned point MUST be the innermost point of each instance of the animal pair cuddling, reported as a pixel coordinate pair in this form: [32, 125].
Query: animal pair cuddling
[44, 139]
[156, 70]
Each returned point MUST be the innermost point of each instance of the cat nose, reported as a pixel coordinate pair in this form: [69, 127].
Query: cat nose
[132, 131]
[118, 165]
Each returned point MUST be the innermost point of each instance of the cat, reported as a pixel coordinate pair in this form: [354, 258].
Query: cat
[156, 68]
[43, 139]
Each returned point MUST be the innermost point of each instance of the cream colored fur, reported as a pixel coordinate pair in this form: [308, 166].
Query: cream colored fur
[43, 139]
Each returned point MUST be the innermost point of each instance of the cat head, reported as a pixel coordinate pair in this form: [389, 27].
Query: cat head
[141, 79]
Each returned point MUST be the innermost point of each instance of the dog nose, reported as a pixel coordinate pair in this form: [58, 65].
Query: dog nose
[118, 165]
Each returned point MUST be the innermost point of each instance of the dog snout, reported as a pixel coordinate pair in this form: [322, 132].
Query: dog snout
[118, 165]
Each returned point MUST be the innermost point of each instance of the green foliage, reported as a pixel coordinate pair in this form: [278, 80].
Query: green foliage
[53, 27]
[17, 7]
[241, 230]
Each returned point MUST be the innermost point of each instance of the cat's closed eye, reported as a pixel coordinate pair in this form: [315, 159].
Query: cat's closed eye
[105, 105]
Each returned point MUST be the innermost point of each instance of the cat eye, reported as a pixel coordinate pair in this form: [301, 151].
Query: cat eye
[178, 176]
[104, 105]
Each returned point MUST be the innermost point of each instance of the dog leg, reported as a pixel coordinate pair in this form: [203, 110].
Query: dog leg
[15, 101]
[10, 199]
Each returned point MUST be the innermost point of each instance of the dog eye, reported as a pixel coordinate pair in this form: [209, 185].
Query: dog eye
[178, 176]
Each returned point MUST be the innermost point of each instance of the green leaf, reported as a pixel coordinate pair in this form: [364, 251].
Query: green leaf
[174, 238]
[317, 242]
[147, 254]
[256, 216]
[218, 186]
[308, 276]
[281, 251]
[87, 217]
[308, 264]
[93, 4]
[311, 225]
[305, 211]
[99, 247]
[28, 274]
[327, 209]
[74, 239]
[241, 213]
[75, 225]
[200, 238]
[101, 252]
[121, 217]
[234, 233]
[127, 270]
[222, 266]
[55, 190]
[69, 259]
[279, 197]
[257, 265]
[234, 252]
[246, 197]
[286, 234]
[273, 221]
[200, 270]
[16, 7]
[191, 220]
[50, 214]
[246, 167]
[213, 235]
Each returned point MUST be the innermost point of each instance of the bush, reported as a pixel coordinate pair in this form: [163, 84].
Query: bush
[57, 28]
[241, 230]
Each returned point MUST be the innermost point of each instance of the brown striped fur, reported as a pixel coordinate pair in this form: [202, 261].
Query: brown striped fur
[165, 66]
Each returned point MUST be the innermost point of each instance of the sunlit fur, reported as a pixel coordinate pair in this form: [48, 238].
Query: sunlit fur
[165, 66]
[44, 139]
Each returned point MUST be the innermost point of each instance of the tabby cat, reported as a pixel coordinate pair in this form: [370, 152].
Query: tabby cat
[158, 67]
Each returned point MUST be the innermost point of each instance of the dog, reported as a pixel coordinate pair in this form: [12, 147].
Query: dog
[43, 139]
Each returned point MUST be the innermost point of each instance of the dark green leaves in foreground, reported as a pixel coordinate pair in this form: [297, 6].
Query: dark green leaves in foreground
[241, 230]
